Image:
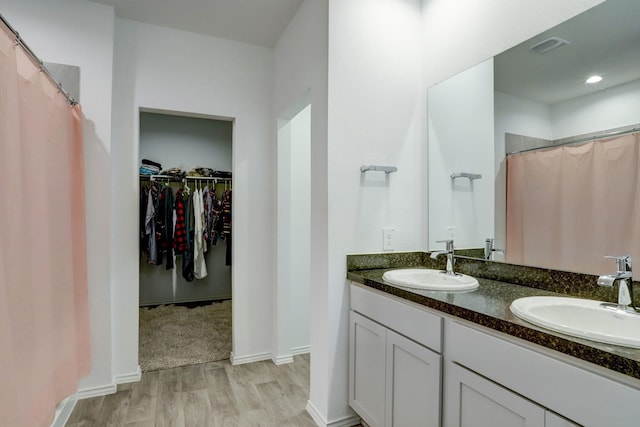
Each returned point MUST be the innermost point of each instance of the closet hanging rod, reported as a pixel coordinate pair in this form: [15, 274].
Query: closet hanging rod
[183, 179]
[209, 178]
[20, 42]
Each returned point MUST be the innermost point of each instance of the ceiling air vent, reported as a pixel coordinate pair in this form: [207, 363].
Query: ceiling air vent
[552, 43]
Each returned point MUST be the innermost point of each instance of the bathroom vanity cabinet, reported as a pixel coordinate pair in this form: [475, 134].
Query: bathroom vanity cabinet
[395, 367]
[415, 366]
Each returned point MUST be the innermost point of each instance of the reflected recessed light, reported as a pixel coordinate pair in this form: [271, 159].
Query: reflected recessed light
[593, 79]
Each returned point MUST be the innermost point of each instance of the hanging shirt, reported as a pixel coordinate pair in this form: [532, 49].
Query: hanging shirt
[199, 266]
[180, 243]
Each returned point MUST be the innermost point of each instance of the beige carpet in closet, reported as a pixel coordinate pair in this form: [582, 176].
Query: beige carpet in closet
[172, 336]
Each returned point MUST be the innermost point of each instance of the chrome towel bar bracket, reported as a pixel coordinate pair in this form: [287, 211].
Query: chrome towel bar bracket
[470, 176]
[385, 169]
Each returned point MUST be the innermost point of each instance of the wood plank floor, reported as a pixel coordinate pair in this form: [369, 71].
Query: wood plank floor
[211, 394]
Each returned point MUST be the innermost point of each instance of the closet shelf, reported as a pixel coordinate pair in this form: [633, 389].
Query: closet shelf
[183, 179]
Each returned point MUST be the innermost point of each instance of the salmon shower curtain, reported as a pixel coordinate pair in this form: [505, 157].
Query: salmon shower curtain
[568, 207]
[44, 336]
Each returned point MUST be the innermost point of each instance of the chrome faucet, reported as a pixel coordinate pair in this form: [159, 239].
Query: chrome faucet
[449, 252]
[489, 249]
[625, 287]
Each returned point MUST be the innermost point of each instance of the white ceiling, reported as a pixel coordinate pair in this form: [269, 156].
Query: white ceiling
[605, 40]
[258, 22]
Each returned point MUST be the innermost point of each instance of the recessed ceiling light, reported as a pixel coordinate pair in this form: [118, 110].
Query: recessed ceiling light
[593, 79]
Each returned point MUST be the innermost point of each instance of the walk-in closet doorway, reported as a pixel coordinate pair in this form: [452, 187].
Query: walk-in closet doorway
[185, 201]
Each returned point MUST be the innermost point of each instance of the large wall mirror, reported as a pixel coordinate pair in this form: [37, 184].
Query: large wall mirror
[534, 98]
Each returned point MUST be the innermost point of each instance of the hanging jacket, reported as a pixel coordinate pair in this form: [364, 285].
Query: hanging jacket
[187, 256]
[164, 226]
[150, 225]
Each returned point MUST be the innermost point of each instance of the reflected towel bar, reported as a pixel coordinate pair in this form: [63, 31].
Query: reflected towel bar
[385, 169]
[471, 176]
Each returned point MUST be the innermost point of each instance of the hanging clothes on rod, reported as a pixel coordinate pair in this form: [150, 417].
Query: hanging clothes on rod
[186, 223]
[226, 223]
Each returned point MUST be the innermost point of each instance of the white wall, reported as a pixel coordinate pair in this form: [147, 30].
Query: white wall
[607, 109]
[293, 237]
[461, 139]
[301, 67]
[282, 307]
[375, 118]
[300, 228]
[521, 116]
[186, 142]
[77, 32]
[169, 70]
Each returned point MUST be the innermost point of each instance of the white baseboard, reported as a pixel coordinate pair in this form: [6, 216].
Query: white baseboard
[288, 358]
[63, 411]
[102, 390]
[282, 360]
[131, 377]
[315, 415]
[301, 350]
[346, 421]
[240, 360]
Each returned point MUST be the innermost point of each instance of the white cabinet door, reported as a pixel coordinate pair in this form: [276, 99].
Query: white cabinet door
[367, 343]
[474, 401]
[413, 384]
[554, 420]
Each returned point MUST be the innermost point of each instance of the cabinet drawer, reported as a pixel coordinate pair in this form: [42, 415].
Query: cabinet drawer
[412, 322]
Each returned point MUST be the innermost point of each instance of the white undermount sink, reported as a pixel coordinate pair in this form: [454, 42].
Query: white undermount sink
[581, 318]
[433, 280]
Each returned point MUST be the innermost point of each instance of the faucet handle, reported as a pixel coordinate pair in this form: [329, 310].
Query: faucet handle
[622, 262]
[448, 243]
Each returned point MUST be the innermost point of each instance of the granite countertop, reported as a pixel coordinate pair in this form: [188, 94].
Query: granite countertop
[488, 305]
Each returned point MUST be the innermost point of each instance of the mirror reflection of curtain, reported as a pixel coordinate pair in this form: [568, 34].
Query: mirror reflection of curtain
[44, 327]
[568, 207]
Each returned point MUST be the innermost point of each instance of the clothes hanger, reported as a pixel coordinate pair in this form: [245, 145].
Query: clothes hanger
[186, 187]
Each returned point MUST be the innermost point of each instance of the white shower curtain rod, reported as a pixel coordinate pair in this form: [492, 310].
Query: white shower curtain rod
[27, 49]
[585, 139]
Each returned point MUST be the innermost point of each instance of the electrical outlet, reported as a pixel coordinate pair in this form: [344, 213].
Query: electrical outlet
[387, 238]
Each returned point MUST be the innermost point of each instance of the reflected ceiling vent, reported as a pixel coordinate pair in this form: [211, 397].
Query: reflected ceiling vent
[552, 43]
